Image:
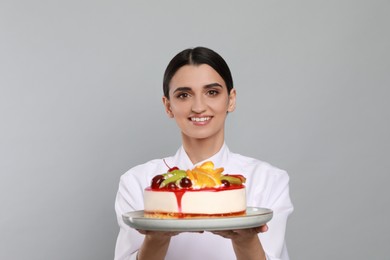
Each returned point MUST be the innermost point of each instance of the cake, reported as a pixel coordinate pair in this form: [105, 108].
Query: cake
[200, 192]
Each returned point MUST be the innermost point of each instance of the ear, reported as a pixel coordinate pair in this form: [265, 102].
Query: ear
[232, 100]
[167, 106]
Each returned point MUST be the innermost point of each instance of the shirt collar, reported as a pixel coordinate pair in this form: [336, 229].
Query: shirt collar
[219, 159]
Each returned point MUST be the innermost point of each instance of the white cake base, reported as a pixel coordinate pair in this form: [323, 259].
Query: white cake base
[195, 203]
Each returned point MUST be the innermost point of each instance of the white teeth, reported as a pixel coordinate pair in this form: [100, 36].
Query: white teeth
[200, 119]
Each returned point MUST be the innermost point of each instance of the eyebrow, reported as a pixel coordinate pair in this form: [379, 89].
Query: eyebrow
[207, 86]
[213, 85]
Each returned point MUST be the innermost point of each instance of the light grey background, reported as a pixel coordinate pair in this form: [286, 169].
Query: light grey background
[80, 104]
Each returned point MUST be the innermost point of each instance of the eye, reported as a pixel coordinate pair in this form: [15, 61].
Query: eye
[182, 95]
[212, 92]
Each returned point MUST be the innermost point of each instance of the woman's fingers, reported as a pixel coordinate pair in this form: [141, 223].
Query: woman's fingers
[158, 233]
[232, 234]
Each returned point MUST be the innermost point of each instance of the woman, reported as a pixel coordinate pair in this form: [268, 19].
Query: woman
[198, 95]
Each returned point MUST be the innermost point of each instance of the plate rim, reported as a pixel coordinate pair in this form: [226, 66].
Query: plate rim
[135, 219]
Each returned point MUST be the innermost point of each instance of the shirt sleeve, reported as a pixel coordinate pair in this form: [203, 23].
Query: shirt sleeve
[278, 199]
[129, 240]
[134, 255]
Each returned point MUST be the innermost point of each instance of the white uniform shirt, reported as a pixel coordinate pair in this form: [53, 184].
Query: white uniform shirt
[266, 187]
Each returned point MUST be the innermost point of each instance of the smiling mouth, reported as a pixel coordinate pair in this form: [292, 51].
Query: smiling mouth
[200, 119]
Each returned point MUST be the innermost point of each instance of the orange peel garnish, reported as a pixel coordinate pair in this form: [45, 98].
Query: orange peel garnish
[203, 179]
[207, 165]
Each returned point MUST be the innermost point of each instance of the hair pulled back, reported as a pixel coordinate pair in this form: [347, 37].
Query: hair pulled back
[197, 56]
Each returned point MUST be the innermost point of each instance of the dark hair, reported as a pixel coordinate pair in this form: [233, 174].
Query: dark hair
[197, 56]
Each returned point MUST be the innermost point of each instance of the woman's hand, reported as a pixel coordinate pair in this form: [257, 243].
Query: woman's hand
[155, 245]
[241, 234]
[246, 243]
[158, 234]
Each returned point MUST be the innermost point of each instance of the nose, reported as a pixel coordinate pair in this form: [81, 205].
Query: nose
[199, 105]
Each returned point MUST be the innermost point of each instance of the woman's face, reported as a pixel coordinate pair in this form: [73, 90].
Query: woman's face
[199, 101]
